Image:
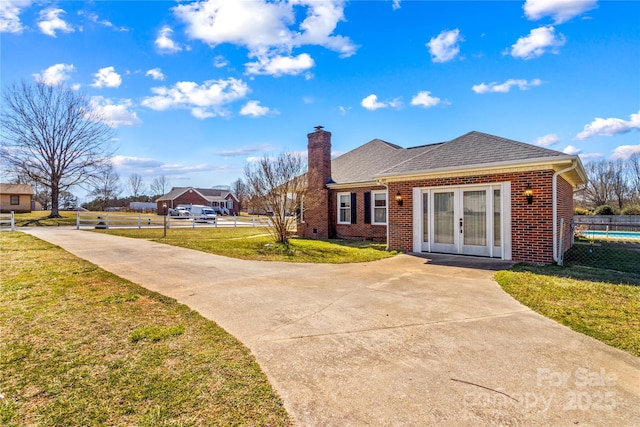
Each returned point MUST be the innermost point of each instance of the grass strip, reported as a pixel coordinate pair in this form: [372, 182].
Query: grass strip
[82, 347]
[606, 310]
[254, 243]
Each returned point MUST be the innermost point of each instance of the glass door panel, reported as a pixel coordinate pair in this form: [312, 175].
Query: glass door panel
[443, 217]
[475, 222]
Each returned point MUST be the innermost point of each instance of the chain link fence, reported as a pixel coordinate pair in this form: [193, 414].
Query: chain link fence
[606, 245]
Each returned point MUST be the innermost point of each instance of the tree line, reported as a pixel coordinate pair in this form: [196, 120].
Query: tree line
[614, 183]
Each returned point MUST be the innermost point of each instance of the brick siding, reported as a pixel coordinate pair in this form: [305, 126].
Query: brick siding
[531, 225]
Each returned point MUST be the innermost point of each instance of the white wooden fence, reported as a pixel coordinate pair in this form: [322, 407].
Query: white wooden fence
[107, 221]
[7, 221]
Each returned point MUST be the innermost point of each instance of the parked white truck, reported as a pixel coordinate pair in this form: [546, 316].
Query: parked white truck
[200, 213]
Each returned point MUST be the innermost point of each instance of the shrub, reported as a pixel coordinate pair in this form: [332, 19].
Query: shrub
[605, 210]
[631, 210]
[581, 211]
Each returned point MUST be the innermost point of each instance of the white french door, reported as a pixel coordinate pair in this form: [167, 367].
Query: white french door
[462, 220]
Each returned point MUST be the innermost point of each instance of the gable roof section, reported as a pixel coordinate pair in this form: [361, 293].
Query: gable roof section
[473, 152]
[16, 189]
[361, 164]
[209, 194]
[472, 149]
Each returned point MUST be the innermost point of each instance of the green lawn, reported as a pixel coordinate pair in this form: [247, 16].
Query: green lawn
[256, 244]
[82, 347]
[588, 294]
[39, 218]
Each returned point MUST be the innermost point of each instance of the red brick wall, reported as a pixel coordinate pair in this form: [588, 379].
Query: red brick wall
[531, 225]
[236, 205]
[359, 230]
[565, 210]
[317, 217]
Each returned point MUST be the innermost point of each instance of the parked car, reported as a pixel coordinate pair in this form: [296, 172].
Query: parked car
[178, 212]
[200, 213]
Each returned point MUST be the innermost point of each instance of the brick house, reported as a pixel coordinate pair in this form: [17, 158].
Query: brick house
[477, 194]
[16, 197]
[222, 199]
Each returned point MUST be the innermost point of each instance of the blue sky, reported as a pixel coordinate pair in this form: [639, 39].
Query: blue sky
[197, 89]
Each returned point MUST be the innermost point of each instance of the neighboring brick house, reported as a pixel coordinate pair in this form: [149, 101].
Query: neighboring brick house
[477, 194]
[222, 199]
[16, 198]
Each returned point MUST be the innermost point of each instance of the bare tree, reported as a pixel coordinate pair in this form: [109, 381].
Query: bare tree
[239, 189]
[633, 165]
[277, 186]
[52, 135]
[106, 186]
[160, 186]
[599, 189]
[136, 185]
[619, 185]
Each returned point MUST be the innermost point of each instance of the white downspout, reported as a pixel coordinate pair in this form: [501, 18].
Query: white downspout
[554, 183]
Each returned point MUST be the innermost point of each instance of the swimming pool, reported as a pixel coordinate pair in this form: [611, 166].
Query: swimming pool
[594, 234]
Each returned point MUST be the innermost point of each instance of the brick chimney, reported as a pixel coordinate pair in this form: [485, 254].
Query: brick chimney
[317, 203]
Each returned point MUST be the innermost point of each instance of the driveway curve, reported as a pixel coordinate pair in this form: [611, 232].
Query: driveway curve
[394, 342]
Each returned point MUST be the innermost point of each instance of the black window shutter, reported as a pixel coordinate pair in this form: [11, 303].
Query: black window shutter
[354, 214]
[367, 208]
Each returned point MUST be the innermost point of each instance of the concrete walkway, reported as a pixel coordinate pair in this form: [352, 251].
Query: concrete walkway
[389, 343]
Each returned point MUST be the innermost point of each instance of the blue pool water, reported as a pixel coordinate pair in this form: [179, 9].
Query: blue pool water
[612, 234]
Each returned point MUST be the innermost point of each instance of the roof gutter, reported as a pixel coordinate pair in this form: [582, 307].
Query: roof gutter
[554, 185]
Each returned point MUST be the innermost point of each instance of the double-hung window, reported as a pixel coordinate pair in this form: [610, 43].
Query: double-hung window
[379, 207]
[344, 208]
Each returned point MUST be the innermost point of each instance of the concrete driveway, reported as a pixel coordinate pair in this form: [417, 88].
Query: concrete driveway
[395, 342]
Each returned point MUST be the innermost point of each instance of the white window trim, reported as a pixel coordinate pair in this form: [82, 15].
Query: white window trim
[350, 207]
[373, 207]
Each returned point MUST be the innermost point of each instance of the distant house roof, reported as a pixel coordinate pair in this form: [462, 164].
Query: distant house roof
[16, 189]
[378, 159]
[209, 194]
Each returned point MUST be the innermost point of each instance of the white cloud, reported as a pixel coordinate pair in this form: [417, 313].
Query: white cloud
[220, 61]
[55, 75]
[625, 151]
[243, 151]
[94, 18]
[50, 22]
[560, 10]
[281, 65]
[153, 167]
[444, 47]
[128, 162]
[371, 103]
[344, 110]
[609, 127]
[204, 101]
[164, 42]
[155, 74]
[547, 140]
[254, 109]
[114, 114]
[267, 29]
[106, 77]
[495, 87]
[590, 156]
[10, 15]
[538, 42]
[571, 150]
[395, 5]
[424, 99]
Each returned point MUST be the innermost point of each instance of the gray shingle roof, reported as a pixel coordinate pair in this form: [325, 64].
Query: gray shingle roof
[212, 195]
[378, 158]
[473, 148]
[368, 160]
